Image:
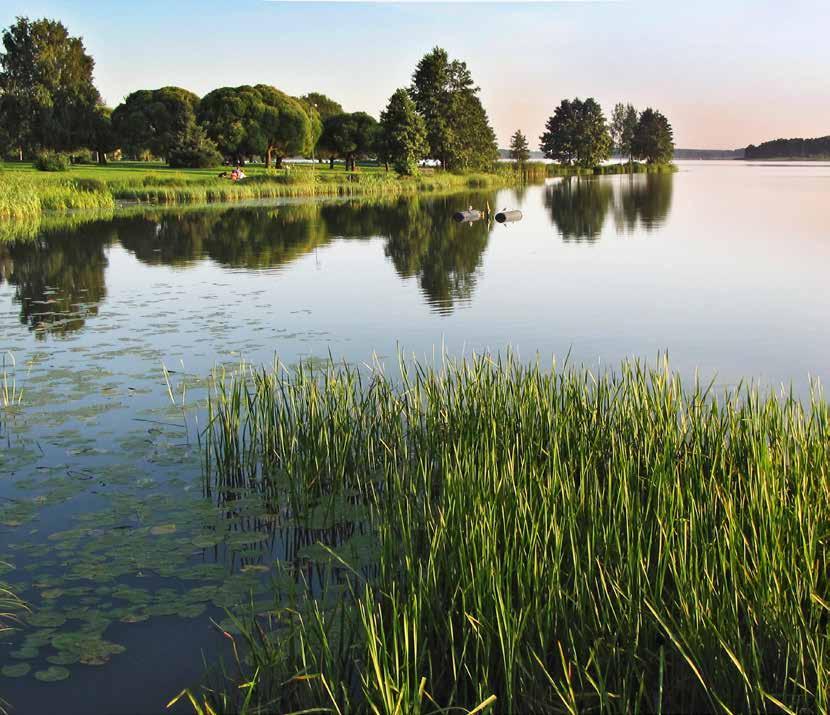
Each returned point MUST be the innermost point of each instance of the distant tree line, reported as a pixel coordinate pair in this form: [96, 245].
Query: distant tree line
[818, 148]
[48, 102]
[577, 134]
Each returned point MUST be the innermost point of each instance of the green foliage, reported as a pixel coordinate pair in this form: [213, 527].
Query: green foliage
[577, 133]
[458, 130]
[91, 184]
[403, 134]
[193, 150]
[325, 106]
[47, 98]
[51, 161]
[818, 148]
[653, 139]
[519, 150]
[256, 121]
[539, 536]
[623, 128]
[154, 120]
[351, 136]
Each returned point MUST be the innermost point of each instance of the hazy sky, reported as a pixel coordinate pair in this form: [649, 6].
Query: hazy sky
[725, 73]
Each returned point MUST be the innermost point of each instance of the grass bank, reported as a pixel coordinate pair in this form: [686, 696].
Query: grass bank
[610, 169]
[541, 541]
[26, 193]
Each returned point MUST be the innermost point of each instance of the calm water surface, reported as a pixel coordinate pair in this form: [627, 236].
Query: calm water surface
[102, 515]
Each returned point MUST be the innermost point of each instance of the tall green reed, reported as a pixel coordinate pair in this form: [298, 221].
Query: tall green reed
[548, 540]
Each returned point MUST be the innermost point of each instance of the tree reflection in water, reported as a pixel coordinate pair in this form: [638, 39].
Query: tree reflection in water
[58, 278]
[578, 205]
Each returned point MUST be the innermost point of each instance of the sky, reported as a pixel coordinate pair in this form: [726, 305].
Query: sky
[725, 73]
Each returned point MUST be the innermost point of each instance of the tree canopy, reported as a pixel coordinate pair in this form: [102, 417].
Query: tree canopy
[403, 133]
[351, 136]
[47, 96]
[577, 133]
[653, 138]
[519, 150]
[256, 120]
[155, 120]
[458, 130]
[623, 127]
[325, 106]
[818, 148]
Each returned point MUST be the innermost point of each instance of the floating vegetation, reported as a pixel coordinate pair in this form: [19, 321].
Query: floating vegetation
[52, 674]
[18, 670]
[544, 540]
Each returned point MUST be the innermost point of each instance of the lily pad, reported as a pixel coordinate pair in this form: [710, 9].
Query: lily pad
[25, 653]
[46, 619]
[64, 658]
[162, 529]
[52, 674]
[18, 670]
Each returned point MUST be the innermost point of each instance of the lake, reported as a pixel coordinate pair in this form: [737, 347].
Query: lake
[111, 328]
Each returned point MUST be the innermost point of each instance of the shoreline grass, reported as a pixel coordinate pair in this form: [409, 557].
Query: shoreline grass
[26, 194]
[611, 169]
[546, 541]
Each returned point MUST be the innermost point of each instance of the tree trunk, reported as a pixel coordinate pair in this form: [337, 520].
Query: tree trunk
[268, 157]
[278, 162]
[102, 158]
[331, 162]
[20, 153]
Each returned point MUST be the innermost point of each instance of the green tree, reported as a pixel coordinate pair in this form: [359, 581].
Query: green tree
[351, 136]
[104, 138]
[155, 120]
[47, 96]
[325, 106]
[256, 121]
[403, 133]
[623, 127]
[193, 150]
[519, 150]
[653, 139]
[577, 133]
[458, 130]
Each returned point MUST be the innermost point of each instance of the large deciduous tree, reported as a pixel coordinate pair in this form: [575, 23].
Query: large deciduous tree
[653, 138]
[259, 120]
[577, 133]
[403, 133]
[47, 96]
[458, 130]
[155, 120]
[351, 136]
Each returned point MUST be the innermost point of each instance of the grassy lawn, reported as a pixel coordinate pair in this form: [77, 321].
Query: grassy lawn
[26, 193]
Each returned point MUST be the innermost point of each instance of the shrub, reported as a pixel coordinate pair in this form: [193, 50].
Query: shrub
[194, 151]
[51, 161]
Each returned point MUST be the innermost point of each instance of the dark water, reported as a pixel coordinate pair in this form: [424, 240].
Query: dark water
[102, 513]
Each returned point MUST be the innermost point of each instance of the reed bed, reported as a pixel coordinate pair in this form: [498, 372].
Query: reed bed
[548, 541]
[24, 196]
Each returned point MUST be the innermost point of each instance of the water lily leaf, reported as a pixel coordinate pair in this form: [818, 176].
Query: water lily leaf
[18, 670]
[52, 674]
[25, 653]
[46, 619]
[163, 529]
